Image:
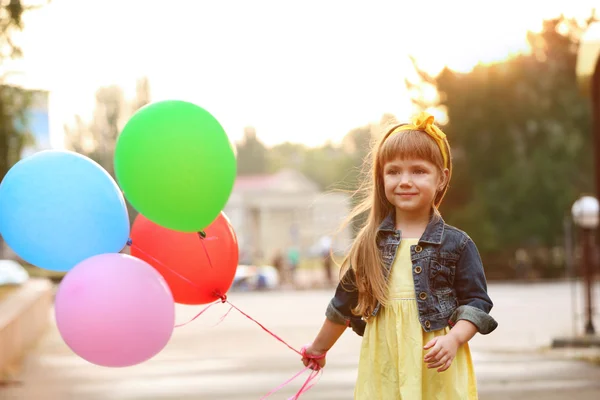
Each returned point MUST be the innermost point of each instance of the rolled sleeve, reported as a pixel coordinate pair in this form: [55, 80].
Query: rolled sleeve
[471, 290]
[334, 315]
[483, 321]
[339, 309]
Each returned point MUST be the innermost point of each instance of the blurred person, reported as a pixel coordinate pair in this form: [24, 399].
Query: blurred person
[279, 264]
[293, 260]
[522, 264]
[327, 262]
[412, 286]
[326, 259]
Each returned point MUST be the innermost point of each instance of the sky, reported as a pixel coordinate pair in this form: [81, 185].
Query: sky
[304, 71]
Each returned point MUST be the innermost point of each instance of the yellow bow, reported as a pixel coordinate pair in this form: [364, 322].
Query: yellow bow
[424, 122]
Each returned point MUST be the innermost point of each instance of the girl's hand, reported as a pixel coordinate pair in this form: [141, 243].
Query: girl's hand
[443, 351]
[313, 358]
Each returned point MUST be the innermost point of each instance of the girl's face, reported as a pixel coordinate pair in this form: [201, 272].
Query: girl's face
[411, 184]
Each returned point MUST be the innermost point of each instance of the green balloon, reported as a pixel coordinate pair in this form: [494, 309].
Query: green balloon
[175, 165]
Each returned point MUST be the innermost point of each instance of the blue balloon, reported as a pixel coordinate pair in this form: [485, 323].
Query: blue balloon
[58, 208]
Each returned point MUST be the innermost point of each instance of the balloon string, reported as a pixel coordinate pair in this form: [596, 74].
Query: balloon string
[305, 387]
[145, 253]
[223, 317]
[199, 314]
[262, 326]
[202, 236]
[223, 299]
[312, 365]
[133, 246]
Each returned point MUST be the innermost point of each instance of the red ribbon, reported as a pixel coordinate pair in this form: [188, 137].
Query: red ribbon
[307, 384]
[316, 370]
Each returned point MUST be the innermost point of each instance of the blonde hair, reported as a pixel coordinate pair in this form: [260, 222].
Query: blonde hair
[364, 256]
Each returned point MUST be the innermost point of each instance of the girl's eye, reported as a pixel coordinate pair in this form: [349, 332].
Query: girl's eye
[420, 171]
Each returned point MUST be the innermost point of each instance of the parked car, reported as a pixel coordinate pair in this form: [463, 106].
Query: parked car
[251, 277]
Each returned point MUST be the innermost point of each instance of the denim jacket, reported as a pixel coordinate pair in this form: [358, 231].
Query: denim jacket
[449, 281]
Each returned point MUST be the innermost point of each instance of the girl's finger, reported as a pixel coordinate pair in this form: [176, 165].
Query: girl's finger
[442, 354]
[437, 363]
[431, 343]
[432, 353]
[446, 365]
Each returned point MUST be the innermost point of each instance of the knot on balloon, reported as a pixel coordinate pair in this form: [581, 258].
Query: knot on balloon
[223, 297]
[129, 242]
[202, 234]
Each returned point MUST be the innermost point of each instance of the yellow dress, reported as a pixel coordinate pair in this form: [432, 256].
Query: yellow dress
[391, 365]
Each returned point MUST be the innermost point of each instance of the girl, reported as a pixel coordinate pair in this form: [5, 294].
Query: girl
[412, 286]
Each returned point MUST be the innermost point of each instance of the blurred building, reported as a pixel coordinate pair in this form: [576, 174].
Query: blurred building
[272, 213]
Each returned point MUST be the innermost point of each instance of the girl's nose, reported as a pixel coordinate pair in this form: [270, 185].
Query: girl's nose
[405, 180]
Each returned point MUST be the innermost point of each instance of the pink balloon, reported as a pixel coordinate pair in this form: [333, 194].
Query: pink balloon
[115, 310]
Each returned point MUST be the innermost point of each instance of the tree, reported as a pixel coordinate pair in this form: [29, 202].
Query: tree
[251, 154]
[97, 139]
[14, 132]
[286, 155]
[331, 166]
[142, 94]
[14, 101]
[520, 131]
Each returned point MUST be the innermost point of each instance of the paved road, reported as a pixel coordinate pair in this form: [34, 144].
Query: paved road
[236, 360]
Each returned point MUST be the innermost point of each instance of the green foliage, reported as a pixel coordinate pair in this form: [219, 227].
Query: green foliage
[521, 135]
[14, 101]
[97, 139]
[252, 158]
[330, 166]
[14, 133]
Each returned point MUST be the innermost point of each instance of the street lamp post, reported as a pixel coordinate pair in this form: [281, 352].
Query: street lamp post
[595, 92]
[586, 216]
[585, 210]
[588, 66]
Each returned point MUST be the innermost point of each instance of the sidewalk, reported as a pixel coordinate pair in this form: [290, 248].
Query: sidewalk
[237, 360]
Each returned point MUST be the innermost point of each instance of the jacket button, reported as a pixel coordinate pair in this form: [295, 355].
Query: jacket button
[418, 269]
[418, 249]
[427, 324]
[422, 295]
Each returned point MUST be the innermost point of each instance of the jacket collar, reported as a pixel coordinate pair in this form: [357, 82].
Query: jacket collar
[433, 232]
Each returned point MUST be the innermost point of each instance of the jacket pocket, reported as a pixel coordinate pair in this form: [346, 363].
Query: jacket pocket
[441, 275]
[446, 302]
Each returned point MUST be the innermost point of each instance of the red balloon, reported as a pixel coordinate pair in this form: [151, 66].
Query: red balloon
[198, 269]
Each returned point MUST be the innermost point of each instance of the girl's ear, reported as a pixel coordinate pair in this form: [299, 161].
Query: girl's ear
[444, 179]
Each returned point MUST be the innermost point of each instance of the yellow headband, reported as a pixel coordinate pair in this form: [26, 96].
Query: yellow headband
[424, 122]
